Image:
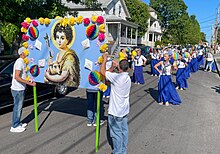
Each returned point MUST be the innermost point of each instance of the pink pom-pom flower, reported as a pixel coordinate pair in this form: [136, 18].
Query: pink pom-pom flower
[34, 23]
[100, 20]
[25, 25]
[86, 21]
[101, 37]
[25, 37]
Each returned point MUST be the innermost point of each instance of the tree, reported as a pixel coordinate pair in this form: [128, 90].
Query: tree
[13, 12]
[180, 28]
[218, 37]
[139, 14]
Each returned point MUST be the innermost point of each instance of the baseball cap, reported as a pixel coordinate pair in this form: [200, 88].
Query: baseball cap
[20, 50]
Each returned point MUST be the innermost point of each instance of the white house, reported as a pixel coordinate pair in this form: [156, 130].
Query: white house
[118, 28]
[154, 31]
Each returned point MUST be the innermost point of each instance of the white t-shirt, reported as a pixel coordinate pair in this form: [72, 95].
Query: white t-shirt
[181, 63]
[166, 68]
[139, 60]
[19, 65]
[209, 57]
[119, 95]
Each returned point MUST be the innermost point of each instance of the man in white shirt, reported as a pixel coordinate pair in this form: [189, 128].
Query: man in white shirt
[118, 104]
[18, 91]
[209, 61]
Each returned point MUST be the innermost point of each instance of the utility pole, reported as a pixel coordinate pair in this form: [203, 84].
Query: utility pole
[215, 31]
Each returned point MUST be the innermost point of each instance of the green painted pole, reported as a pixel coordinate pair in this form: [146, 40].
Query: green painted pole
[35, 109]
[97, 122]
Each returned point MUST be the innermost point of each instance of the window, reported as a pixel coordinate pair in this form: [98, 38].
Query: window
[150, 37]
[119, 11]
[155, 25]
[114, 10]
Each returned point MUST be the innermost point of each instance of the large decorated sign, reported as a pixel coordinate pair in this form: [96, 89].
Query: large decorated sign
[65, 50]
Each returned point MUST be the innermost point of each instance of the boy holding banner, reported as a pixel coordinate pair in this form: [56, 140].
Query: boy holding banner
[118, 103]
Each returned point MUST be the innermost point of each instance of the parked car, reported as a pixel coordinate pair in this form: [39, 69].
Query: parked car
[6, 99]
[145, 51]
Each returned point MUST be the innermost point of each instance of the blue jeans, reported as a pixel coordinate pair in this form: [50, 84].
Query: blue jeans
[209, 66]
[18, 97]
[91, 106]
[118, 127]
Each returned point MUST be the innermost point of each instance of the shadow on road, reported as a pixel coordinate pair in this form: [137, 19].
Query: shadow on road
[70, 105]
[216, 88]
[154, 93]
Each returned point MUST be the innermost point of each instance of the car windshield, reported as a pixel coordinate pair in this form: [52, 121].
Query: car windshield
[6, 66]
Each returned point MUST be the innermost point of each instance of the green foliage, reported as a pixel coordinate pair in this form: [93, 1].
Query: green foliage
[139, 14]
[158, 43]
[180, 28]
[13, 12]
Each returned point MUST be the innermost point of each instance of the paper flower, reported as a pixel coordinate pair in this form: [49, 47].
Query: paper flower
[57, 17]
[100, 20]
[92, 31]
[28, 20]
[27, 69]
[86, 21]
[25, 25]
[41, 20]
[46, 21]
[25, 44]
[34, 23]
[103, 87]
[79, 20]
[104, 47]
[100, 60]
[25, 37]
[26, 61]
[28, 78]
[101, 37]
[94, 18]
[23, 30]
[72, 21]
[102, 28]
[26, 52]
[64, 22]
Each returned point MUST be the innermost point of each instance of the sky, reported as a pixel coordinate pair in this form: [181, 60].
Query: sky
[205, 11]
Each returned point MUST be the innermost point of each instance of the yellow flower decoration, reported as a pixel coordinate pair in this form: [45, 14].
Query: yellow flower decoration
[72, 21]
[57, 17]
[94, 18]
[28, 78]
[104, 47]
[103, 87]
[41, 20]
[23, 30]
[102, 28]
[100, 60]
[25, 44]
[64, 22]
[28, 20]
[46, 21]
[27, 69]
[26, 52]
[26, 61]
[79, 20]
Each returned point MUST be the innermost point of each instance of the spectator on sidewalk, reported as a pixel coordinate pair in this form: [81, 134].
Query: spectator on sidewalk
[18, 91]
[123, 55]
[209, 61]
[118, 104]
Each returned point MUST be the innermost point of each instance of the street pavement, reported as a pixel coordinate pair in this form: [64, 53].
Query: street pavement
[190, 128]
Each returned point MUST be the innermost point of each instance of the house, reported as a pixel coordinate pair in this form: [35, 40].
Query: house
[119, 31]
[154, 32]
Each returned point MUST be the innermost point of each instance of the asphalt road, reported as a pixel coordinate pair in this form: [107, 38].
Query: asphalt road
[190, 128]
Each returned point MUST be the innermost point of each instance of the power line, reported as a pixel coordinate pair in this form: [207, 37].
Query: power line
[213, 15]
[208, 20]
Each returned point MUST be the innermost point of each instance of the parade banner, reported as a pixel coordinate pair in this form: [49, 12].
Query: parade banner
[65, 51]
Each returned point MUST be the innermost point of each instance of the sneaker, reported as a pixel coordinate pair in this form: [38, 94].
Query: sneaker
[161, 103]
[18, 129]
[152, 75]
[107, 96]
[89, 124]
[177, 87]
[101, 123]
[23, 125]
[181, 88]
[167, 104]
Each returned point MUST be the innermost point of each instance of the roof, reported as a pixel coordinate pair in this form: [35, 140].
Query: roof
[115, 19]
[151, 9]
